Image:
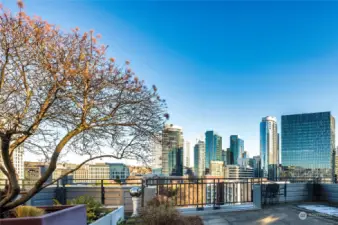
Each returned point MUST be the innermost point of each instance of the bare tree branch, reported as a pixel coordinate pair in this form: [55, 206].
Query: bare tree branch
[59, 93]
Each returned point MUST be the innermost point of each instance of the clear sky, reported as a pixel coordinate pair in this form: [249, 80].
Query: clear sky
[220, 65]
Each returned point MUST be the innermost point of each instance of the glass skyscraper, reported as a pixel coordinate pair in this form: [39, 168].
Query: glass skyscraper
[308, 144]
[236, 149]
[257, 166]
[213, 148]
[172, 150]
[199, 159]
[175, 162]
[269, 147]
[224, 156]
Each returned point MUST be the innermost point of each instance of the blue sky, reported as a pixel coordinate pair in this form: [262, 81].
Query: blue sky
[220, 65]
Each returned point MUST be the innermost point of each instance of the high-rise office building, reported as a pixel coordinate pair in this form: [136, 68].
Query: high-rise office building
[156, 149]
[336, 163]
[175, 161]
[199, 159]
[172, 150]
[224, 157]
[269, 147]
[187, 154]
[236, 149]
[213, 148]
[308, 145]
[251, 162]
[257, 166]
[229, 156]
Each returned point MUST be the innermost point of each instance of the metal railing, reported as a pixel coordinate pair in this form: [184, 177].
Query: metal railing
[103, 184]
[320, 180]
[181, 192]
[202, 192]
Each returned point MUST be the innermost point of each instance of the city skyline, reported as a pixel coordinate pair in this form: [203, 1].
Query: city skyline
[164, 112]
[227, 74]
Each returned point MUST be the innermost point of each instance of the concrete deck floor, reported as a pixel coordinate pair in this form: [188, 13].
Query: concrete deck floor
[274, 215]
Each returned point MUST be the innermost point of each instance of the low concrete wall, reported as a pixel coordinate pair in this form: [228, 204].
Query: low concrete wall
[149, 194]
[327, 192]
[287, 193]
[257, 196]
[113, 196]
[297, 192]
[74, 192]
[43, 198]
[111, 218]
[117, 215]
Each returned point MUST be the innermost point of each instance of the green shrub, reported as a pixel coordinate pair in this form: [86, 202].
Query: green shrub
[56, 202]
[121, 222]
[28, 211]
[95, 209]
[160, 211]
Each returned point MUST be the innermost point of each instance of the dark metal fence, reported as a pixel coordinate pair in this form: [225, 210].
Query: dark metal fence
[99, 185]
[201, 192]
[182, 192]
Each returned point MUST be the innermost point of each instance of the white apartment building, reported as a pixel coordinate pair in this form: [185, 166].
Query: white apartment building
[216, 168]
[156, 149]
[98, 171]
[238, 172]
[81, 175]
[17, 162]
[187, 154]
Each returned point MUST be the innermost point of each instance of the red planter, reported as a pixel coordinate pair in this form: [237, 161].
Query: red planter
[56, 215]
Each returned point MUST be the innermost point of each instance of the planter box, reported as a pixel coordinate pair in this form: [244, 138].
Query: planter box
[65, 215]
[111, 218]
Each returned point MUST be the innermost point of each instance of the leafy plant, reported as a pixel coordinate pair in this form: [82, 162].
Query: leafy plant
[95, 209]
[28, 211]
[161, 212]
[56, 202]
[121, 221]
[118, 180]
[168, 191]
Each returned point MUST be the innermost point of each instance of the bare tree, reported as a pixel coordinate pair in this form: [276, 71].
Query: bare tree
[59, 93]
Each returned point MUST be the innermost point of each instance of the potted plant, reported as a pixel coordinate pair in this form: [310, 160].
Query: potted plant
[65, 215]
[96, 212]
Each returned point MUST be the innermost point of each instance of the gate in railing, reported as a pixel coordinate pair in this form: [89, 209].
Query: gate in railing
[201, 192]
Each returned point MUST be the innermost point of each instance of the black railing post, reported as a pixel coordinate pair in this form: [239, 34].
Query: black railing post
[202, 197]
[144, 183]
[102, 193]
[64, 192]
[285, 191]
[197, 194]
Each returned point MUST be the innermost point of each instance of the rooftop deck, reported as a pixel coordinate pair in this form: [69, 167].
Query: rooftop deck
[284, 214]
